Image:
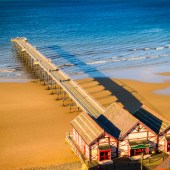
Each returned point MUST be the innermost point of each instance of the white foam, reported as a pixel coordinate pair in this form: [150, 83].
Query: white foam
[116, 60]
[126, 59]
[97, 62]
[146, 49]
[114, 57]
[165, 55]
[134, 49]
[68, 65]
[159, 48]
[153, 56]
[136, 58]
[7, 70]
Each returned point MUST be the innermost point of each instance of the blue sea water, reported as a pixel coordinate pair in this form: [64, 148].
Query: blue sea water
[87, 37]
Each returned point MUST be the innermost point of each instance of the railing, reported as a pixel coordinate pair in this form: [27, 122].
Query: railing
[40, 58]
[74, 147]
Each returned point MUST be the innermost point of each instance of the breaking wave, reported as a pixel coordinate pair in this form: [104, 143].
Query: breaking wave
[7, 70]
[149, 48]
[127, 59]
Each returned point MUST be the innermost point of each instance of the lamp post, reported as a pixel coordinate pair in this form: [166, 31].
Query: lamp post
[141, 167]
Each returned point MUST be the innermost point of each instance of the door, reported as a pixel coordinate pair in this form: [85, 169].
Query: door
[168, 146]
[135, 152]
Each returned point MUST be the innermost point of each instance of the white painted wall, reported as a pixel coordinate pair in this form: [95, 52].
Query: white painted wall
[137, 135]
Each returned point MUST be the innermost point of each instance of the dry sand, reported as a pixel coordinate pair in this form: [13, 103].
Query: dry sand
[32, 127]
[159, 102]
[33, 124]
[130, 94]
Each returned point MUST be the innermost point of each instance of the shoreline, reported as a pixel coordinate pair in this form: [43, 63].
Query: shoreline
[34, 137]
[165, 74]
[17, 80]
[153, 73]
[158, 73]
[137, 91]
[157, 101]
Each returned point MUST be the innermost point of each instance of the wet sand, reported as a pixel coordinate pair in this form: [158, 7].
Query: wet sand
[33, 124]
[165, 74]
[159, 102]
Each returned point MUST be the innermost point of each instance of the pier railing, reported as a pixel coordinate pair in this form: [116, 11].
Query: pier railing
[72, 88]
[75, 149]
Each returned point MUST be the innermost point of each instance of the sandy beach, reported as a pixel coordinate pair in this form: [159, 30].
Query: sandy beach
[131, 94]
[150, 97]
[32, 127]
[33, 124]
[165, 74]
[117, 51]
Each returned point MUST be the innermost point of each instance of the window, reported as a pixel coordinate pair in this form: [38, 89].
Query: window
[168, 146]
[105, 155]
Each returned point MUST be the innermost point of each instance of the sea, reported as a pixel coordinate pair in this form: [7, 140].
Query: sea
[86, 38]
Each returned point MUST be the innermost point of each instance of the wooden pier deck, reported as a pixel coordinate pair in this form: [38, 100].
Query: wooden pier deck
[52, 75]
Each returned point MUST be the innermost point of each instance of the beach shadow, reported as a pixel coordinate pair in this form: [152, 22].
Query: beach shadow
[123, 96]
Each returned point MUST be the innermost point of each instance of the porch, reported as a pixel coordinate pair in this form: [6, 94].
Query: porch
[74, 147]
[139, 147]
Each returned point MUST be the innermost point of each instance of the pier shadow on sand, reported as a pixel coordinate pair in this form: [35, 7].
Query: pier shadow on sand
[115, 88]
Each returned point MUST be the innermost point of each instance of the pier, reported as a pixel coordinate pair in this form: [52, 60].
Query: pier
[51, 75]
